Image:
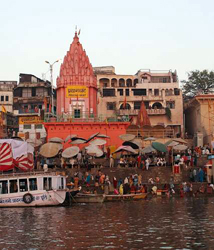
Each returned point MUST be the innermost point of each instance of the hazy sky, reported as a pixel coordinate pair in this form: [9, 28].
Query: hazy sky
[130, 35]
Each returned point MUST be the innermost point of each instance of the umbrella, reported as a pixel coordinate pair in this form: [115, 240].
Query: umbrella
[78, 141]
[180, 147]
[171, 143]
[138, 142]
[98, 142]
[131, 144]
[102, 136]
[50, 149]
[125, 148]
[94, 150]
[70, 137]
[150, 139]
[92, 136]
[159, 147]
[180, 140]
[70, 152]
[34, 142]
[56, 139]
[148, 150]
[127, 137]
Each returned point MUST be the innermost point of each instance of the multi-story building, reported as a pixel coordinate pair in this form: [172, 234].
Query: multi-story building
[199, 119]
[159, 90]
[32, 102]
[6, 95]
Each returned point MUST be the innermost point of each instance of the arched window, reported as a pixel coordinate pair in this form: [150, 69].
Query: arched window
[127, 106]
[113, 82]
[129, 82]
[104, 83]
[121, 82]
[157, 105]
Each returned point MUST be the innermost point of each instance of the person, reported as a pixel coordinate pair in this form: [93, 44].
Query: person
[194, 173]
[111, 161]
[201, 175]
[45, 167]
[147, 164]
[159, 162]
[121, 189]
[72, 161]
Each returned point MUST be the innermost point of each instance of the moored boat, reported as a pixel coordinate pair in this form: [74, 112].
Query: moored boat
[32, 189]
[125, 197]
[88, 198]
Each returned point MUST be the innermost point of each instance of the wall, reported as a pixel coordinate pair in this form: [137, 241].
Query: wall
[85, 130]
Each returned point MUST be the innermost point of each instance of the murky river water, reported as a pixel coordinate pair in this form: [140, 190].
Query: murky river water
[149, 224]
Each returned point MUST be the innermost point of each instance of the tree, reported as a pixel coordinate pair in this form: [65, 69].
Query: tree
[199, 82]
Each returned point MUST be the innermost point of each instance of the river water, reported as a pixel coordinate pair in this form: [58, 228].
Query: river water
[159, 223]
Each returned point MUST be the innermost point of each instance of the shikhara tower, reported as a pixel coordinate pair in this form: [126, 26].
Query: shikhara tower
[77, 84]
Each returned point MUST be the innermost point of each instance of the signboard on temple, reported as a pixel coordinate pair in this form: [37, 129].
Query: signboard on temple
[30, 120]
[77, 91]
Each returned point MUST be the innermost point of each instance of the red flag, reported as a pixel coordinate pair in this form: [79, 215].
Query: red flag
[49, 108]
[143, 118]
[77, 97]
[124, 103]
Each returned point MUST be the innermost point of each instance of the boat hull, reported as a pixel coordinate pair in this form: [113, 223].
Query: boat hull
[39, 198]
[88, 198]
[125, 197]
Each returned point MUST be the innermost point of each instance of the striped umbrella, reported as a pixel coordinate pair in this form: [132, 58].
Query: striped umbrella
[6, 157]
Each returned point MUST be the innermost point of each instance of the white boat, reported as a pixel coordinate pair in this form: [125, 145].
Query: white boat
[32, 189]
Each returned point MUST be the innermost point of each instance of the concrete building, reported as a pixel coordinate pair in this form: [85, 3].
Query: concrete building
[158, 89]
[6, 94]
[199, 119]
[32, 104]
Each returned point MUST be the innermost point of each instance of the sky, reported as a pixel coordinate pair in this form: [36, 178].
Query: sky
[129, 35]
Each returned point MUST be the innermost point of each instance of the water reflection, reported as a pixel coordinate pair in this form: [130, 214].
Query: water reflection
[150, 224]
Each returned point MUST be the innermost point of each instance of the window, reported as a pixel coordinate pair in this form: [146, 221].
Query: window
[2, 98]
[77, 113]
[26, 92]
[137, 105]
[13, 186]
[177, 91]
[7, 98]
[3, 187]
[23, 185]
[111, 105]
[150, 91]
[108, 92]
[27, 126]
[164, 79]
[47, 183]
[120, 92]
[33, 184]
[127, 92]
[139, 92]
[38, 126]
[170, 104]
[156, 92]
[33, 91]
[105, 85]
[40, 92]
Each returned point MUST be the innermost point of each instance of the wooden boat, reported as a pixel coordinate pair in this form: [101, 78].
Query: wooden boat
[88, 198]
[125, 197]
[32, 189]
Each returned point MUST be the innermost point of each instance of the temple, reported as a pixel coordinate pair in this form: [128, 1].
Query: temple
[77, 84]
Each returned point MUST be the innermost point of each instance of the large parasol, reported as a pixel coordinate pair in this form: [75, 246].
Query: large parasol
[50, 149]
[125, 148]
[127, 137]
[56, 140]
[159, 147]
[70, 152]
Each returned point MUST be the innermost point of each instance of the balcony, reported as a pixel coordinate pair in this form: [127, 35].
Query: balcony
[136, 111]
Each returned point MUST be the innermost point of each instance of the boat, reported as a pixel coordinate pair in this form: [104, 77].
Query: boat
[32, 189]
[88, 198]
[125, 197]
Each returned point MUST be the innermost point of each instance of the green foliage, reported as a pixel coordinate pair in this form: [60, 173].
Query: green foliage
[199, 82]
[168, 113]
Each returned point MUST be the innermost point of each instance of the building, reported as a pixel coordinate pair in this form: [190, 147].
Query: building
[121, 96]
[32, 104]
[6, 95]
[199, 119]
[76, 84]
